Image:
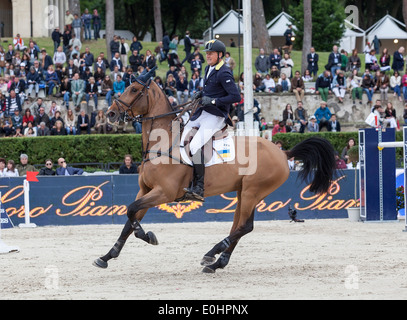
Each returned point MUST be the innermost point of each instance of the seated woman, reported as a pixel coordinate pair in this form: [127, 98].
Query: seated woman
[339, 86]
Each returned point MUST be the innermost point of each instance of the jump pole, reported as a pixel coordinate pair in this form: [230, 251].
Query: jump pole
[3, 247]
[377, 187]
[27, 223]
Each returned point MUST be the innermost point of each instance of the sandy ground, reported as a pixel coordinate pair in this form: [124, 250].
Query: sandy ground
[319, 259]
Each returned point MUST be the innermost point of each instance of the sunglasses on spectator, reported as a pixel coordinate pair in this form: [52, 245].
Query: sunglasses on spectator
[48, 164]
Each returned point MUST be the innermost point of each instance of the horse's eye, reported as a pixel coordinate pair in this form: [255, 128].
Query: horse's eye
[134, 90]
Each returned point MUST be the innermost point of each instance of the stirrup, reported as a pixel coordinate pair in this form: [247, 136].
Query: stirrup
[191, 196]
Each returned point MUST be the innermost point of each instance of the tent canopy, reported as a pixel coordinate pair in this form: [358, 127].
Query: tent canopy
[227, 25]
[279, 25]
[387, 28]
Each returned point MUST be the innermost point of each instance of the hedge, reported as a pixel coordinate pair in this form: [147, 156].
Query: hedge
[75, 149]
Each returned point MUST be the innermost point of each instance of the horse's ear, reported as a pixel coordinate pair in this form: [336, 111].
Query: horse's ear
[144, 77]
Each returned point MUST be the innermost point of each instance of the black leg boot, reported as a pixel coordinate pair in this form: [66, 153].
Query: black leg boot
[196, 191]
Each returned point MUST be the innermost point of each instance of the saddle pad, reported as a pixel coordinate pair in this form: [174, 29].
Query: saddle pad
[224, 151]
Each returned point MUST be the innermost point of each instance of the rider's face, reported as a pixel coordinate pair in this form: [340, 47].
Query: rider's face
[211, 57]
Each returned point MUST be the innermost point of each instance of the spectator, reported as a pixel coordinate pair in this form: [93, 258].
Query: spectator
[86, 21]
[124, 50]
[313, 59]
[339, 85]
[383, 85]
[356, 87]
[286, 65]
[182, 89]
[78, 90]
[11, 170]
[33, 81]
[135, 60]
[395, 84]
[170, 85]
[2, 61]
[187, 47]
[116, 62]
[149, 61]
[43, 130]
[384, 60]
[301, 116]
[70, 123]
[28, 117]
[313, 125]
[345, 150]
[101, 122]
[13, 103]
[229, 61]
[65, 91]
[46, 60]
[97, 24]
[288, 112]
[283, 85]
[269, 84]
[69, 18]
[18, 133]
[340, 163]
[42, 117]
[354, 60]
[129, 77]
[323, 85]
[368, 85]
[2, 167]
[114, 46]
[56, 38]
[75, 43]
[107, 90]
[258, 83]
[322, 115]
[288, 41]
[196, 65]
[56, 118]
[398, 60]
[390, 116]
[128, 167]
[9, 54]
[118, 87]
[6, 125]
[275, 59]
[279, 128]
[194, 84]
[24, 167]
[297, 86]
[51, 79]
[83, 123]
[17, 120]
[47, 170]
[334, 60]
[333, 124]
[307, 76]
[59, 129]
[344, 59]
[92, 92]
[262, 63]
[19, 43]
[136, 45]
[65, 170]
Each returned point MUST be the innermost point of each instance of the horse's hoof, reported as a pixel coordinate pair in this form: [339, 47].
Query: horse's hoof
[208, 270]
[152, 238]
[207, 261]
[100, 263]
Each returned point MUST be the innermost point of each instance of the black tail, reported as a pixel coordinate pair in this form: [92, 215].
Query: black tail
[319, 154]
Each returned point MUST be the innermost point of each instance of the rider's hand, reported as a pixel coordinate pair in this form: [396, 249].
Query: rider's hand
[197, 95]
[207, 101]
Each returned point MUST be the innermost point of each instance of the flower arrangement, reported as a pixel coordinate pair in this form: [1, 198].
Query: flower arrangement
[400, 197]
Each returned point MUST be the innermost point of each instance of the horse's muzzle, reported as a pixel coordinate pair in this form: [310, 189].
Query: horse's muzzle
[112, 116]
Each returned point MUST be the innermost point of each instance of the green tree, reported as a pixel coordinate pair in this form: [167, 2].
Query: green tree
[327, 23]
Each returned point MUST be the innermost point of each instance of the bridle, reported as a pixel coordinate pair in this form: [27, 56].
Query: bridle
[126, 112]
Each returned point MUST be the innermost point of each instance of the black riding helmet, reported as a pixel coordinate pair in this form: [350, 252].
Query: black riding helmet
[216, 46]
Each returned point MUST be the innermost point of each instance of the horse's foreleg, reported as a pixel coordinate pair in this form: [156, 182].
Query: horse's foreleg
[135, 213]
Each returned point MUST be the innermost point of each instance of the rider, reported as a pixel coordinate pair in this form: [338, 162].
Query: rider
[218, 94]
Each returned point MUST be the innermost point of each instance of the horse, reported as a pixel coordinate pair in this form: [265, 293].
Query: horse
[164, 181]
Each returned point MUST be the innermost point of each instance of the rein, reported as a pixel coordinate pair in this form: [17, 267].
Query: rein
[181, 109]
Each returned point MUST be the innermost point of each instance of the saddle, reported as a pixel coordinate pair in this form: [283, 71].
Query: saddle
[208, 149]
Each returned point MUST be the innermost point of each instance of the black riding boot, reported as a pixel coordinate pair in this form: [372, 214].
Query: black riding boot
[196, 191]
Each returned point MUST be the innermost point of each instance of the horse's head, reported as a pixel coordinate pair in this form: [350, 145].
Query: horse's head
[134, 101]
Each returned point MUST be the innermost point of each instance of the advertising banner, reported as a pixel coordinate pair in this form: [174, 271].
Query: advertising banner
[79, 200]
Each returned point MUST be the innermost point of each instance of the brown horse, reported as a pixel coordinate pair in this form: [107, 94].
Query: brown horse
[262, 169]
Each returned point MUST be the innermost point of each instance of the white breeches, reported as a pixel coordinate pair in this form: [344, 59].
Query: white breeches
[208, 125]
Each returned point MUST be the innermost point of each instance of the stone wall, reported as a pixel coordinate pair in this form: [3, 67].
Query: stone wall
[351, 116]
